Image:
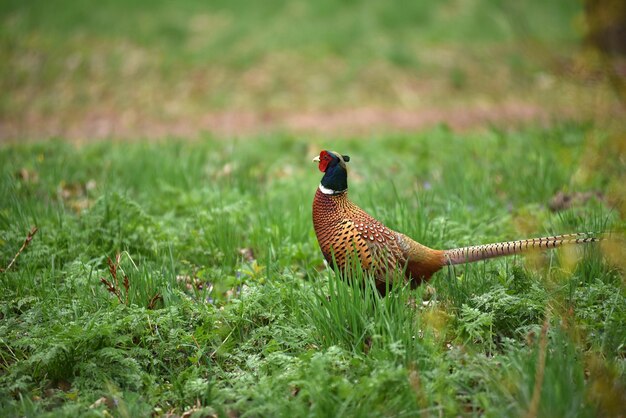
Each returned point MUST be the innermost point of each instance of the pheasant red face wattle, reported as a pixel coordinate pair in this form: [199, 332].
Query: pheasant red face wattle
[324, 159]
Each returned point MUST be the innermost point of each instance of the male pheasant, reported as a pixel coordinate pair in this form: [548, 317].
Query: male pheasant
[343, 229]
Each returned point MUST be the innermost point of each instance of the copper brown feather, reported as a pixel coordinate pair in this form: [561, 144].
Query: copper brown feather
[344, 230]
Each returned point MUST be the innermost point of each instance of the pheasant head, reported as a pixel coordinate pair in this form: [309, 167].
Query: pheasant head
[333, 165]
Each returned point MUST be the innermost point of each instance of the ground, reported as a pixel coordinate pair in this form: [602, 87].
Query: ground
[332, 69]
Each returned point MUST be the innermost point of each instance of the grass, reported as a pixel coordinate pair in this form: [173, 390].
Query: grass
[158, 68]
[228, 309]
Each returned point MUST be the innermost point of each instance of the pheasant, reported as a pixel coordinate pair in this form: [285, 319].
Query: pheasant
[343, 230]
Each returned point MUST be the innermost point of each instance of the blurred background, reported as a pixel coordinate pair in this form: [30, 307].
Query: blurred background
[151, 69]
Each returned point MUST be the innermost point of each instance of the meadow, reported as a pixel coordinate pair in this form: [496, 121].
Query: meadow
[157, 252]
[219, 302]
[160, 69]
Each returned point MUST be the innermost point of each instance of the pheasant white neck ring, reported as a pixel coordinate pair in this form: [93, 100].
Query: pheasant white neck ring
[326, 190]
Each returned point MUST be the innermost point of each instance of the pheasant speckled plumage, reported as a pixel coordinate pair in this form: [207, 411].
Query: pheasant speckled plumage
[343, 229]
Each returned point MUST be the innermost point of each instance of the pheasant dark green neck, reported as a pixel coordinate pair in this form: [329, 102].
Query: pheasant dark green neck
[335, 179]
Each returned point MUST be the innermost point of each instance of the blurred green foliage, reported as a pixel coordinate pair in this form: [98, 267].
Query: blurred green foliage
[117, 68]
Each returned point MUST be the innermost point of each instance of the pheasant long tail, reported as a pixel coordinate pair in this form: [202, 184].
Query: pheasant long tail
[481, 252]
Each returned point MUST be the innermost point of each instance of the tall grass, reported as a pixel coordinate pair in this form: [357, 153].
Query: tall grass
[228, 307]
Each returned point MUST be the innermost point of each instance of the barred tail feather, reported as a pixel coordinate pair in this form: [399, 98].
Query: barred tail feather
[482, 252]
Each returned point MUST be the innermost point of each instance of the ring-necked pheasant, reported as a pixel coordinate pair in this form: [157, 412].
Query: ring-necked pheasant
[344, 229]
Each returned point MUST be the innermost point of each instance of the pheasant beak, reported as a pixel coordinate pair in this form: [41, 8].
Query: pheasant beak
[316, 159]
